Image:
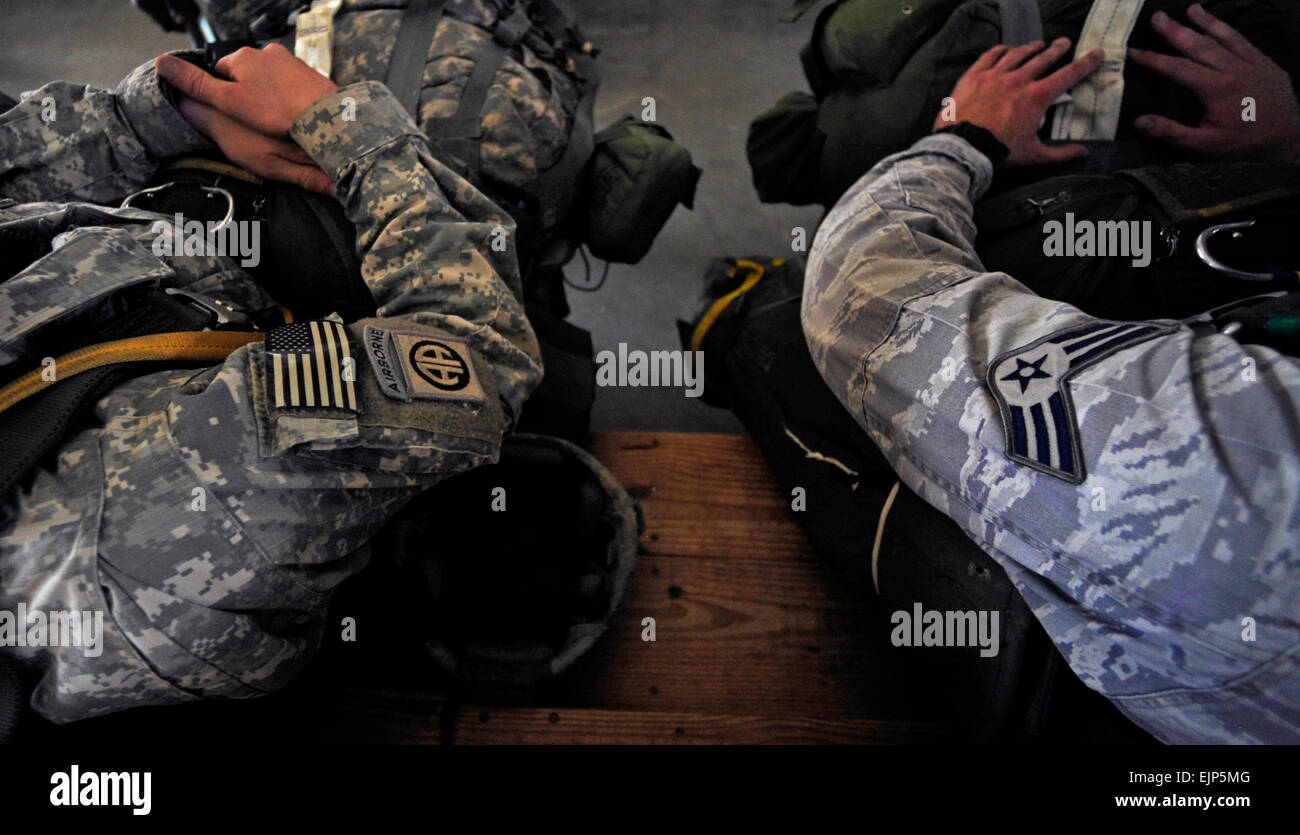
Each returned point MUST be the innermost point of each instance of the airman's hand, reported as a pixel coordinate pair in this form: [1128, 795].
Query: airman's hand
[1006, 93]
[1224, 70]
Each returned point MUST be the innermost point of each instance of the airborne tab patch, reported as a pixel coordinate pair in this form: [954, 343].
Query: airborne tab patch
[412, 366]
[309, 364]
[1038, 417]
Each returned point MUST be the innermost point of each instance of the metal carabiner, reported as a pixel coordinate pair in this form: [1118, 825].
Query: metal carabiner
[1203, 252]
[230, 200]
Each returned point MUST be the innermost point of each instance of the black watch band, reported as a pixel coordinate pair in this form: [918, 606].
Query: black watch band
[983, 140]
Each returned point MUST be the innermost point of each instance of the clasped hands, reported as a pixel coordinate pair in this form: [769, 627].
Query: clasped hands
[247, 107]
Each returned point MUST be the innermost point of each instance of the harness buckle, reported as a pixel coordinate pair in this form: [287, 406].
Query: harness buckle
[221, 315]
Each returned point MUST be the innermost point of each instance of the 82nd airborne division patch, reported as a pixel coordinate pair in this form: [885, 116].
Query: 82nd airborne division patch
[1038, 417]
[413, 366]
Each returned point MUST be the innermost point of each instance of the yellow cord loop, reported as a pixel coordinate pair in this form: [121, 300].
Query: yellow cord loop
[755, 271]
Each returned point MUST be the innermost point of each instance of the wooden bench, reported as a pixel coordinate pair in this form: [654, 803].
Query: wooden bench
[755, 643]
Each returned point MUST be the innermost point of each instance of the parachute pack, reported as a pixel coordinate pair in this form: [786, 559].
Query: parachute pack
[878, 73]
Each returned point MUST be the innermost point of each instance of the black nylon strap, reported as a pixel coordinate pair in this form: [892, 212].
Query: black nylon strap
[35, 426]
[457, 134]
[406, 69]
[554, 186]
[1030, 203]
[464, 123]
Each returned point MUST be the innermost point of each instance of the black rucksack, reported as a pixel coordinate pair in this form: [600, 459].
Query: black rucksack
[1192, 212]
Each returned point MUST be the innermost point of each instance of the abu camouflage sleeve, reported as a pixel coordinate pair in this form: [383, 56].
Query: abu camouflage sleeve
[1139, 483]
[76, 142]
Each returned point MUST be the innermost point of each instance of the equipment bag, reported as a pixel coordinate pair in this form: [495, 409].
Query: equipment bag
[467, 72]
[524, 29]
[878, 73]
[635, 179]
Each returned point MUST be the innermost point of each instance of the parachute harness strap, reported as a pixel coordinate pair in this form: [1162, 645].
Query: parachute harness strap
[205, 346]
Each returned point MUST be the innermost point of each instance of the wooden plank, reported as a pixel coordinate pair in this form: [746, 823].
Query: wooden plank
[754, 637]
[689, 467]
[734, 533]
[531, 726]
[703, 495]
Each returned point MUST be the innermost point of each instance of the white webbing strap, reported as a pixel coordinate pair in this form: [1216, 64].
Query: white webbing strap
[880, 535]
[314, 42]
[1092, 111]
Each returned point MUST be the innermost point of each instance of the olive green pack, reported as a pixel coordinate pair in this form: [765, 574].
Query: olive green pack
[636, 177]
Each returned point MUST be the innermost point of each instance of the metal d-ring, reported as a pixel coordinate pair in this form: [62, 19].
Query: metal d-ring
[230, 200]
[1203, 252]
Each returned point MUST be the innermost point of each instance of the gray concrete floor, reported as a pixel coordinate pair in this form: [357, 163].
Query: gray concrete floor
[710, 65]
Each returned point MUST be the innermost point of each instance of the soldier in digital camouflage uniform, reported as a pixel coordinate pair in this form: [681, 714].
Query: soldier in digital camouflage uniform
[526, 118]
[1177, 595]
[209, 524]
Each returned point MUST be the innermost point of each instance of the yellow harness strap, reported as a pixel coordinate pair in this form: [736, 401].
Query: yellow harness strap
[213, 166]
[187, 345]
[716, 309]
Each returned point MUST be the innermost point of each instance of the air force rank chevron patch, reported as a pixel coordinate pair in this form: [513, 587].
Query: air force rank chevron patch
[1029, 384]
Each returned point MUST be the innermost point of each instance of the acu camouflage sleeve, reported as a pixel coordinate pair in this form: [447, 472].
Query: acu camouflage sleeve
[309, 486]
[77, 142]
[433, 249]
[209, 523]
[1177, 523]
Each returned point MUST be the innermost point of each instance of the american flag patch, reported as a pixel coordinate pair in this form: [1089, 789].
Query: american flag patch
[310, 364]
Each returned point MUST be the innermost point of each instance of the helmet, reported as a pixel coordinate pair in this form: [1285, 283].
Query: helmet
[517, 567]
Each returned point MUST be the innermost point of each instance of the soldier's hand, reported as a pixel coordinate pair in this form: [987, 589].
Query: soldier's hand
[264, 88]
[1224, 70]
[1006, 92]
[275, 159]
